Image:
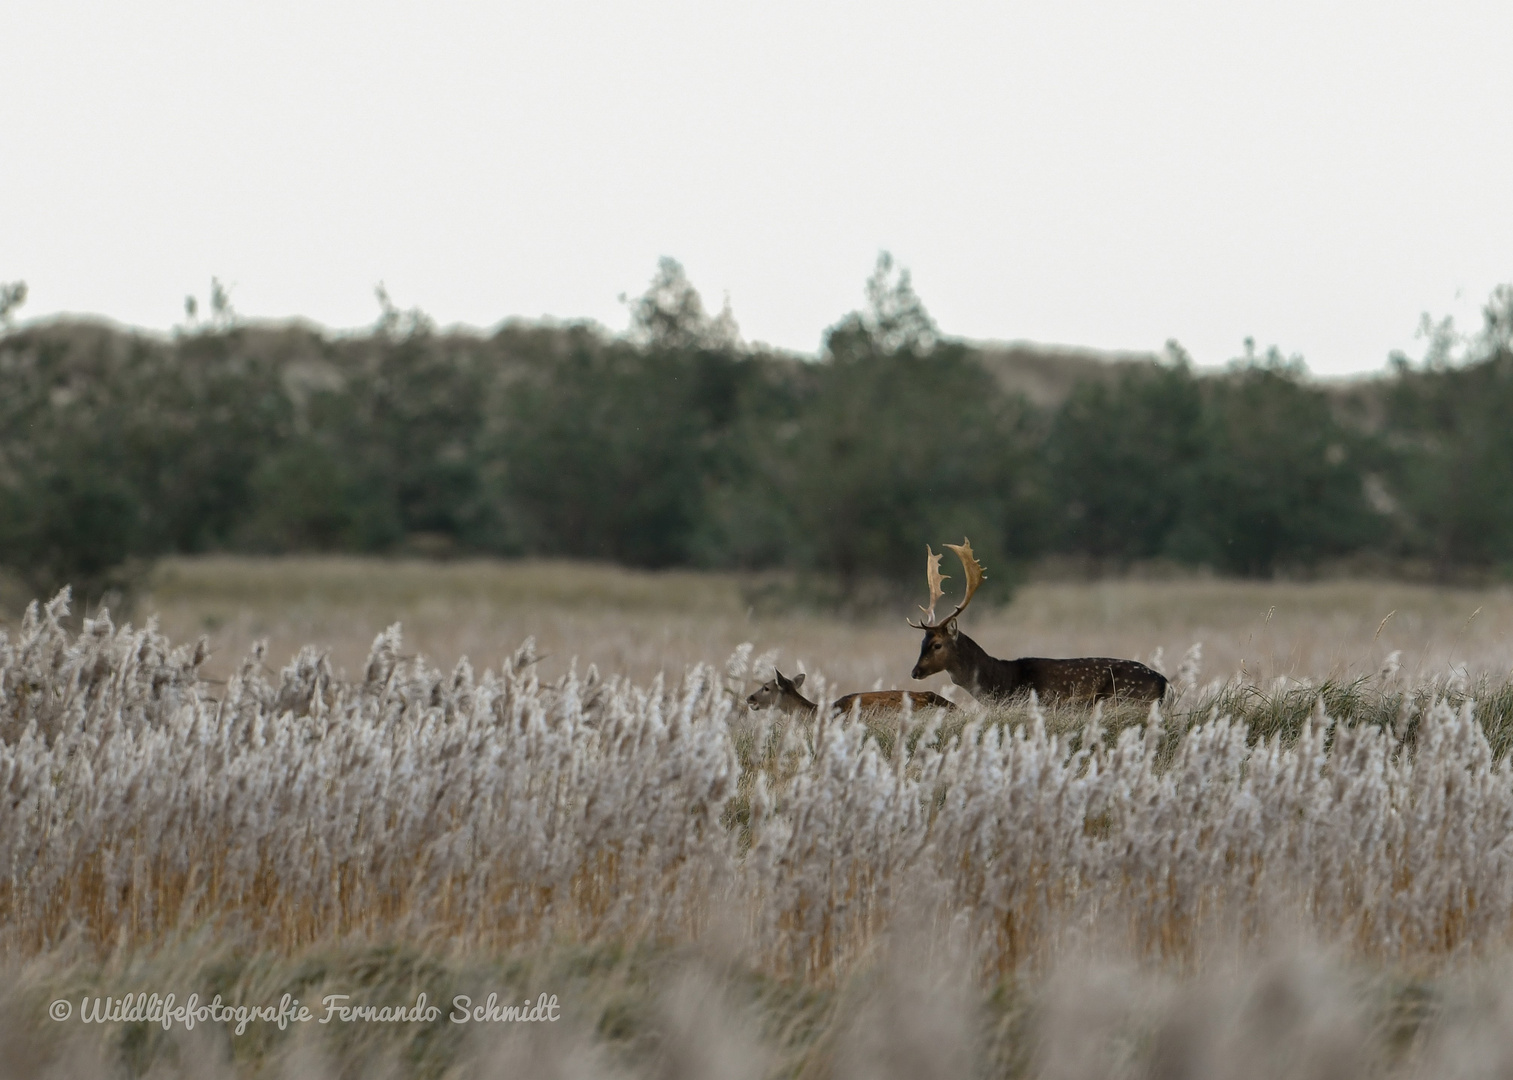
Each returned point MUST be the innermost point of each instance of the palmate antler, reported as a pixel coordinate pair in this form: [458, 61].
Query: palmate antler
[969, 565]
[934, 577]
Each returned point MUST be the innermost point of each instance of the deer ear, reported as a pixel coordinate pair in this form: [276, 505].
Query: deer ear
[951, 628]
[798, 680]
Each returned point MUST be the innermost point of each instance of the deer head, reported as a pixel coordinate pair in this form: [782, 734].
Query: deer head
[939, 646]
[782, 692]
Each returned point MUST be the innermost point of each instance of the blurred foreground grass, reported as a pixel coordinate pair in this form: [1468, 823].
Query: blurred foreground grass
[681, 1012]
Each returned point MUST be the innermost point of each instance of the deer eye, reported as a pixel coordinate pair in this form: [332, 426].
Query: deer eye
[935, 645]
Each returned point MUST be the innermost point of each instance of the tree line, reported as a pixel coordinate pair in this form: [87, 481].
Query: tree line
[678, 445]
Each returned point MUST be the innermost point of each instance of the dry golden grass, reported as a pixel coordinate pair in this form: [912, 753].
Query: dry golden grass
[638, 623]
[721, 893]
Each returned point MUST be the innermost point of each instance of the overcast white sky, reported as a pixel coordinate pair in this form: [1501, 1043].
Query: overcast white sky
[1314, 175]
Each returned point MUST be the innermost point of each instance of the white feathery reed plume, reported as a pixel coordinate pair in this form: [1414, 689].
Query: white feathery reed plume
[140, 799]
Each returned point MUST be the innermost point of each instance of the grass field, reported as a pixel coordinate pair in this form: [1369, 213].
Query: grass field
[1303, 868]
[637, 623]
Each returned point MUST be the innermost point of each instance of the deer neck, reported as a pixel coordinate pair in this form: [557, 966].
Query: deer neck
[980, 674]
[796, 703]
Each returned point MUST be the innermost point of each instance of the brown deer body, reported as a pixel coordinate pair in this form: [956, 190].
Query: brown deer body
[784, 693]
[1088, 678]
[1084, 679]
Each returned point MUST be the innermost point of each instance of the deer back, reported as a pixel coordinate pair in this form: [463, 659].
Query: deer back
[890, 701]
[1091, 678]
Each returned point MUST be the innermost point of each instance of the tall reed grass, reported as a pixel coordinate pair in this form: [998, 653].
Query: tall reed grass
[141, 800]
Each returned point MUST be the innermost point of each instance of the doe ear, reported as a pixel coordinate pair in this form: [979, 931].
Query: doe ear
[950, 627]
[798, 680]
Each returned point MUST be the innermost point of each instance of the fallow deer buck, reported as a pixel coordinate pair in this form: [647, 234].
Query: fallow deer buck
[1085, 679]
[784, 693]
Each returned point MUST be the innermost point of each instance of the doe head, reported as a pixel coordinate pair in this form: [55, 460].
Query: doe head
[776, 691]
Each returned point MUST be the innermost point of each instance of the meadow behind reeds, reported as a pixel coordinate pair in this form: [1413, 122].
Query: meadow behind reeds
[638, 623]
[713, 891]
